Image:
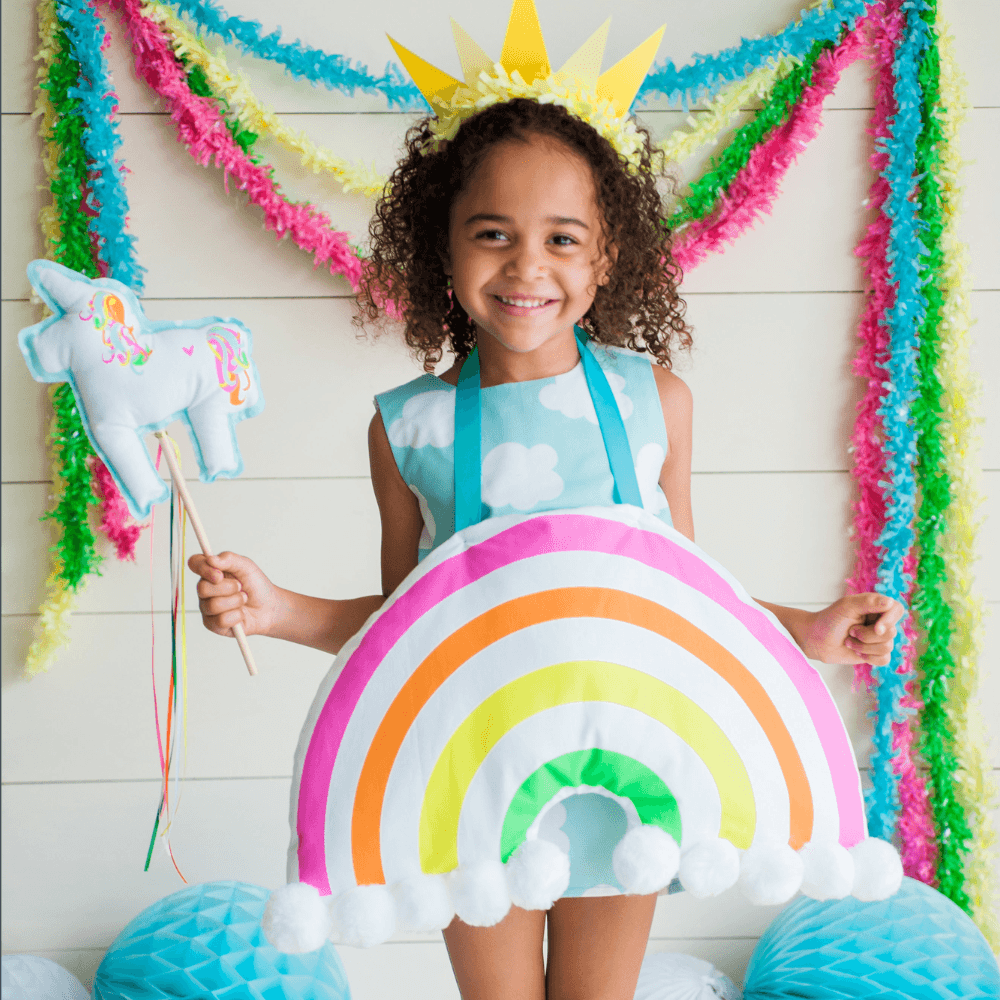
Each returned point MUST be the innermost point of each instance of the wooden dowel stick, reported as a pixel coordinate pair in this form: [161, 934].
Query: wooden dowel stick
[199, 531]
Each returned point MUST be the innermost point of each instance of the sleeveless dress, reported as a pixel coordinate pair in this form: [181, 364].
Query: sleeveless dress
[541, 444]
[542, 449]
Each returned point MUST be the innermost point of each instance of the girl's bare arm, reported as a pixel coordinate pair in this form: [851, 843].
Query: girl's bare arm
[859, 628]
[234, 590]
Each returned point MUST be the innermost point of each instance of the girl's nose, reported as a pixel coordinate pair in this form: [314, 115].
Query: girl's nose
[527, 260]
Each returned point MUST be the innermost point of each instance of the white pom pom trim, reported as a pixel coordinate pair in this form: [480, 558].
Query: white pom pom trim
[646, 859]
[423, 904]
[537, 874]
[709, 868]
[770, 874]
[297, 918]
[828, 870]
[479, 893]
[364, 916]
[878, 870]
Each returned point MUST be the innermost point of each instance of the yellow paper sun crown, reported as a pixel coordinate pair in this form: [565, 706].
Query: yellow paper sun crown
[602, 100]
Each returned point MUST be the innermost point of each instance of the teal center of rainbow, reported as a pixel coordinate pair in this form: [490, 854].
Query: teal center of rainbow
[618, 773]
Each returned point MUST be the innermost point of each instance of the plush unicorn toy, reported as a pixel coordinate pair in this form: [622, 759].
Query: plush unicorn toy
[131, 377]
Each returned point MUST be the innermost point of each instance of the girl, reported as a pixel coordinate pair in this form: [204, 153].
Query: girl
[524, 226]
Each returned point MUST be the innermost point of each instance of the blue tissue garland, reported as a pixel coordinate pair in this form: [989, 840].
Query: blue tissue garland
[904, 319]
[97, 104]
[703, 77]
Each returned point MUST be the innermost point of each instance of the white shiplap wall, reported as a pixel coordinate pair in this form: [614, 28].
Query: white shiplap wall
[774, 320]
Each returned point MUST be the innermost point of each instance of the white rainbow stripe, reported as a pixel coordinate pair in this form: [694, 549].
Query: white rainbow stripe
[530, 657]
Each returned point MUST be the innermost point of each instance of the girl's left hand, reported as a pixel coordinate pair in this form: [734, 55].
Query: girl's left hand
[859, 628]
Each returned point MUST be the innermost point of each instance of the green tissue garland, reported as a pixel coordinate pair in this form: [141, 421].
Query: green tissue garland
[72, 450]
[933, 615]
[784, 96]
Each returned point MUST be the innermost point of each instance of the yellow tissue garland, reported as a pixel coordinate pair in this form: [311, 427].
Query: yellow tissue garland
[708, 125]
[55, 611]
[253, 115]
[975, 788]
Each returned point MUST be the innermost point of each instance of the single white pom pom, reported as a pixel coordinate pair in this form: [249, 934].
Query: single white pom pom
[537, 874]
[671, 976]
[770, 874]
[364, 916]
[709, 867]
[646, 859]
[423, 903]
[828, 870]
[479, 893]
[297, 918]
[878, 870]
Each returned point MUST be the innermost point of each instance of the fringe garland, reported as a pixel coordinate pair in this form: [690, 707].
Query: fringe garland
[706, 127]
[202, 129]
[892, 759]
[253, 115]
[975, 788]
[755, 186]
[100, 141]
[903, 317]
[302, 61]
[935, 737]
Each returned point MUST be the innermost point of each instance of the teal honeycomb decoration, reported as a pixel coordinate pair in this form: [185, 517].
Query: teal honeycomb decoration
[916, 945]
[206, 943]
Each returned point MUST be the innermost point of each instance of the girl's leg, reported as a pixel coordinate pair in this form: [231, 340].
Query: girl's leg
[596, 945]
[503, 962]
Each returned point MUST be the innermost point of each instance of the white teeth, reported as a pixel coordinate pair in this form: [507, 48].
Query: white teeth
[522, 303]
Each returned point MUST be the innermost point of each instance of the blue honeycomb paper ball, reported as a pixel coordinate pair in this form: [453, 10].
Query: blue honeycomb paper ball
[206, 942]
[916, 945]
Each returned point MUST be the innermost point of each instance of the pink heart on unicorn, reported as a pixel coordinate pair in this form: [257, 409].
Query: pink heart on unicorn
[188, 350]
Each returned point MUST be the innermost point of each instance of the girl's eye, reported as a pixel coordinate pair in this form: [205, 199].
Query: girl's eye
[562, 240]
[491, 234]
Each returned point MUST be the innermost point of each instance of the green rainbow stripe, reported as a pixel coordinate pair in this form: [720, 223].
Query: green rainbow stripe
[620, 774]
[559, 684]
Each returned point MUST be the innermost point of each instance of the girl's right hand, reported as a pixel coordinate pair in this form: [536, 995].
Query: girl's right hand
[234, 591]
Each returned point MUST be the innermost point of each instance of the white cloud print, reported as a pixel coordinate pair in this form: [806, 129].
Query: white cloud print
[427, 418]
[648, 465]
[520, 476]
[429, 532]
[570, 396]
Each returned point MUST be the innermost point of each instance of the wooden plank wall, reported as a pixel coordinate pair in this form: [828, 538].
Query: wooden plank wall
[774, 320]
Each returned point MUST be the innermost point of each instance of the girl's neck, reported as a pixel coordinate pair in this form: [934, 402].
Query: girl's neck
[499, 364]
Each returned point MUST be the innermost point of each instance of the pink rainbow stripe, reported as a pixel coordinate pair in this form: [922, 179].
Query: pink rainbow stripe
[541, 536]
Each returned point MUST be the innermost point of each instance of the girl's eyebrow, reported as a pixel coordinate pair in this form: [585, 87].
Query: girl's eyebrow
[558, 220]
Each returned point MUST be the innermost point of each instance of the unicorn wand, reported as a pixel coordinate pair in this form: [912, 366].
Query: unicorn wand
[199, 530]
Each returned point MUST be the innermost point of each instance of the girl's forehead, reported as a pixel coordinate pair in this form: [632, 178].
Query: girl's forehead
[530, 174]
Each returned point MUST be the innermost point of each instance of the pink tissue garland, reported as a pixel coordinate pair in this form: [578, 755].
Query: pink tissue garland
[201, 127]
[756, 186]
[116, 522]
[916, 824]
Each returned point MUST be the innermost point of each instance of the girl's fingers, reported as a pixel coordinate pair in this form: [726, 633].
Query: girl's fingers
[213, 606]
[223, 588]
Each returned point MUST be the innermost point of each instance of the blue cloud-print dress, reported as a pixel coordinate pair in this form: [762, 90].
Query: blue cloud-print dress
[542, 450]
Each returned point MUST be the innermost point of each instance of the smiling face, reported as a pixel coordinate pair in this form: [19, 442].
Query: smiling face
[525, 245]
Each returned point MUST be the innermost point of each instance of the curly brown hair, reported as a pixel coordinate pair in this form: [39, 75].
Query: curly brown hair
[638, 308]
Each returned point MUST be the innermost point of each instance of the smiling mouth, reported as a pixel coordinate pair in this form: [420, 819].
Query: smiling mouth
[519, 302]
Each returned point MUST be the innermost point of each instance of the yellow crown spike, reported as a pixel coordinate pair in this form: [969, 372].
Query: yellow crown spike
[433, 83]
[523, 45]
[621, 83]
[585, 63]
[473, 58]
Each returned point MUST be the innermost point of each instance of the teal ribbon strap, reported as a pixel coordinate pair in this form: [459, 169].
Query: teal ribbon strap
[609, 419]
[469, 507]
[468, 445]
